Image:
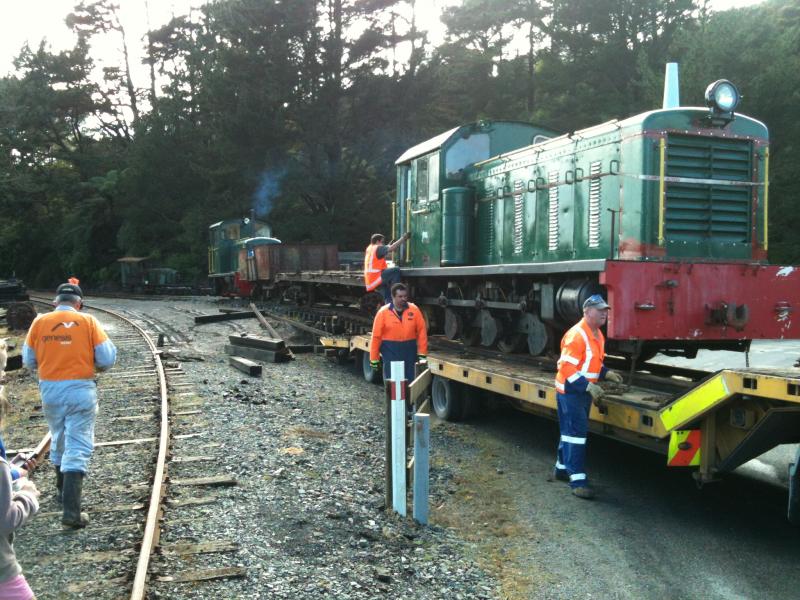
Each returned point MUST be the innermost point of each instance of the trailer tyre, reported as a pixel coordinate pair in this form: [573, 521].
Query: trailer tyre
[370, 376]
[793, 512]
[448, 399]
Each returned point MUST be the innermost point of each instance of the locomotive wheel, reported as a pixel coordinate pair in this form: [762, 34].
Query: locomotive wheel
[448, 400]
[453, 324]
[20, 315]
[491, 329]
[471, 336]
[536, 333]
[513, 342]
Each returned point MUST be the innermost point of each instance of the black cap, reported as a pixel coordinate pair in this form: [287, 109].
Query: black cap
[69, 289]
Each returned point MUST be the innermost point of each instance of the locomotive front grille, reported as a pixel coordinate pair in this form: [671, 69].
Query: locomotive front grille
[705, 210]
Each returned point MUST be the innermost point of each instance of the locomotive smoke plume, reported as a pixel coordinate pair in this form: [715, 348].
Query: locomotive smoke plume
[269, 186]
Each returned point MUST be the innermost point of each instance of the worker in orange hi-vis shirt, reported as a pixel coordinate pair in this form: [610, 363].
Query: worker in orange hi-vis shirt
[67, 346]
[398, 334]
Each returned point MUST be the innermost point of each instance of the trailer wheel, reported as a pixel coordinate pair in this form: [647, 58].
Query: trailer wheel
[448, 399]
[370, 376]
[793, 512]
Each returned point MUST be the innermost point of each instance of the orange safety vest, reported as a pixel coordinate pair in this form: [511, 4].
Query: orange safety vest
[373, 267]
[582, 355]
[64, 342]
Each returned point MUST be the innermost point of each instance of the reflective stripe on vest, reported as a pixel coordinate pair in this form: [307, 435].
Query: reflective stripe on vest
[582, 355]
[373, 267]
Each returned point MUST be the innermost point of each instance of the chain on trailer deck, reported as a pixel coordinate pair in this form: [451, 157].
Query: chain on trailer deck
[714, 426]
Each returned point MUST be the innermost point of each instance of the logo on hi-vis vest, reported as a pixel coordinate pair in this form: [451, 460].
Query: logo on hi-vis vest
[66, 325]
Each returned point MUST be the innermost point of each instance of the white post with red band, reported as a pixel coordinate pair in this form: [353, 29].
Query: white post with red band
[398, 395]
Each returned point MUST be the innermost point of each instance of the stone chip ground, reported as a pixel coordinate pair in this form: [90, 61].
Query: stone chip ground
[305, 443]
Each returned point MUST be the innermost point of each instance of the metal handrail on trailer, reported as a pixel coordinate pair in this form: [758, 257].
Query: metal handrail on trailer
[715, 425]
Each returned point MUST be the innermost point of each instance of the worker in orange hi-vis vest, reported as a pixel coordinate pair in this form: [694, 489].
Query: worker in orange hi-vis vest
[378, 274]
[67, 347]
[398, 333]
[580, 367]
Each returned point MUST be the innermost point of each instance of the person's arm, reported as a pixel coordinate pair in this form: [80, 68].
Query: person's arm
[375, 340]
[105, 352]
[422, 339]
[28, 353]
[396, 244]
[569, 363]
[16, 508]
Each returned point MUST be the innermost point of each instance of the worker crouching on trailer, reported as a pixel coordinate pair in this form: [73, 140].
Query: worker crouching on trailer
[66, 346]
[398, 333]
[580, 367]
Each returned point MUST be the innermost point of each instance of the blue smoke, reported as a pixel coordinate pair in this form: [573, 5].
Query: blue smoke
[269, 186]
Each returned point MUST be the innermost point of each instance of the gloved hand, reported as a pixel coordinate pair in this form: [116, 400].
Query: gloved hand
[375, 364]
[407, 235]
[596, 392]
[421, 358]
[614, 376]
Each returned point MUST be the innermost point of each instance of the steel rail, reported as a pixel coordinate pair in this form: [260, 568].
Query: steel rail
[151, 531]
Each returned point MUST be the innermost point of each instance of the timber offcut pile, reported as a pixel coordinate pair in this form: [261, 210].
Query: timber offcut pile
[256, 347]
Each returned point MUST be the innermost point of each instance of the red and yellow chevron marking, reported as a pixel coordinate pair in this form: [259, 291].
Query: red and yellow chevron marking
[684, 448]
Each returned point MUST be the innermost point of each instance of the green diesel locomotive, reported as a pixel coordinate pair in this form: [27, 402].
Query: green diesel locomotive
[665, 213]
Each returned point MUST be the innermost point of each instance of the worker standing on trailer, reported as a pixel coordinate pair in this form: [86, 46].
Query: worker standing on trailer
[377, 274]
[580, 367]
[67, 346]
[398, 333]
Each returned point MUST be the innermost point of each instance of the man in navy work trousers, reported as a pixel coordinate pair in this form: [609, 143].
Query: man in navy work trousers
[580, 367]
[398, 333]
[68, 347]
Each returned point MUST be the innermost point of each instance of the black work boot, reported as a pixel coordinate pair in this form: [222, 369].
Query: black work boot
[73, 517]
[59, 485]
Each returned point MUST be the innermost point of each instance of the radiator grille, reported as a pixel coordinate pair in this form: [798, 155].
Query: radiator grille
[519, 208]
[702, 211]
[594, 204]
[552, 211]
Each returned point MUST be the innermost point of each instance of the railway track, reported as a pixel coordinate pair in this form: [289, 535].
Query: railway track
[145, 407]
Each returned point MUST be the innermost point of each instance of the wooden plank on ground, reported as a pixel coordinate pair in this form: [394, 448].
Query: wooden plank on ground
[79, 587]
[105, 556]
[257, 341]
[204, 575]
[217, 317]
[268, 356]
[301, 348]
[214, 480]
[184, 548]
[245, 365]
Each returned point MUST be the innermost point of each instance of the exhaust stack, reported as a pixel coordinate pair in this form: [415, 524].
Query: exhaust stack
[672, 95]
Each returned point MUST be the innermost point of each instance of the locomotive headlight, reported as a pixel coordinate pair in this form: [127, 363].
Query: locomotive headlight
[722, 96]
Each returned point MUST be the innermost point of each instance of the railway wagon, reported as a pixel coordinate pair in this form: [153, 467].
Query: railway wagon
[261, 259]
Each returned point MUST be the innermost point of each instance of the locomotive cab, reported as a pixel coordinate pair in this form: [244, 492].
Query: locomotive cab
[426, 172]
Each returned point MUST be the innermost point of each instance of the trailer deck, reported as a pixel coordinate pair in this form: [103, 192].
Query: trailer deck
[713, 425]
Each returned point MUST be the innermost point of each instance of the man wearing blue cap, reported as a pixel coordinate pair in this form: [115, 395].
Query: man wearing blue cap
[580, 367]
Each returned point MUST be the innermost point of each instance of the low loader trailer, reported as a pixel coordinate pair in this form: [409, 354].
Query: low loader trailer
[709, 422]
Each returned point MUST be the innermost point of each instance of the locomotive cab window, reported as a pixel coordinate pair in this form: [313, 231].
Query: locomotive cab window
[427, 177]
[422, 179]
[232, 232]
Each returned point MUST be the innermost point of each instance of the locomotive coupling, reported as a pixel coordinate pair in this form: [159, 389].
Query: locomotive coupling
[727, 314]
